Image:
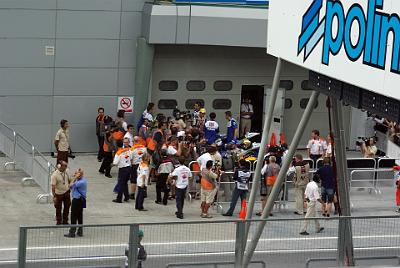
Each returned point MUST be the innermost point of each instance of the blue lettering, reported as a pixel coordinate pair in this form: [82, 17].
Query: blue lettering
[390, 24]
[374, 28]
[333, 45]
[355, 14]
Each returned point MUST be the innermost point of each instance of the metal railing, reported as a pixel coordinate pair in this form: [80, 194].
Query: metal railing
[205, 242]
[25, 156]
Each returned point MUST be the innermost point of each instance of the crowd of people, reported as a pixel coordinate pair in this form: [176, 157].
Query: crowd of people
[185, 150]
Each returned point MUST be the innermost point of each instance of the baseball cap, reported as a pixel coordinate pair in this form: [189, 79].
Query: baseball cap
[202, 110]
[140, 233]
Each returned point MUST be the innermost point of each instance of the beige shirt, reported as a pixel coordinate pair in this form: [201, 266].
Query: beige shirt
[61, 181]
[62, 137]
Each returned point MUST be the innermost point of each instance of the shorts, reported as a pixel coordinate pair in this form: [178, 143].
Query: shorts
[208, 195]
[263, 189]
[133, 177]
[327, 195]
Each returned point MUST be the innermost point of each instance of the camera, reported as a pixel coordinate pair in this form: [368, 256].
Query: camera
[365, 140]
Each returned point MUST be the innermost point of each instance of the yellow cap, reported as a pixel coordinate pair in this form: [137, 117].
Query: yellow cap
[202, 110]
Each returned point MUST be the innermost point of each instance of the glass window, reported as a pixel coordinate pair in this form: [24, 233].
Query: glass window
[222, 104]
[286, 84]
[223, 85]
[167, 85]
[304, 102]
[167, 104]
[288, 103]
[196, 85]
[304, 85]
[189, 104]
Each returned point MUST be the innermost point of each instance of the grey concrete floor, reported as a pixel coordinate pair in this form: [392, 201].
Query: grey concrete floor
[19, 208]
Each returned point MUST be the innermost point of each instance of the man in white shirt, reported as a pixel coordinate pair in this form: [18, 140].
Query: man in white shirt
[203, 159]
[129, 135]
[316, 147]
[312, 195]
[181, 176]
[123, 159]
[246, 113]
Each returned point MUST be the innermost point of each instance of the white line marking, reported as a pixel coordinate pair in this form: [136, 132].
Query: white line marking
[202, 242]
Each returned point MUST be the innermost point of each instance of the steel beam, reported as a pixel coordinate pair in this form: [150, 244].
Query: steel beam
[260, 159]
[281, 177]
[345, 239]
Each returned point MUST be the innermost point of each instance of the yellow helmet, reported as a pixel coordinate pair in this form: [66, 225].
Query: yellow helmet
[202, 110]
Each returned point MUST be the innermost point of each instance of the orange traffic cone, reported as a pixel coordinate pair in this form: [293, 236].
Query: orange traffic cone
[282, 139]
[243, 210]
[272, 142]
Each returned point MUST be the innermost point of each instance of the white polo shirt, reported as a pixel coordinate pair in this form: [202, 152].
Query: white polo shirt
[123, 158]
[246, 108]
[317, 147]
[203, 159]
[183, 174]
[312, 191]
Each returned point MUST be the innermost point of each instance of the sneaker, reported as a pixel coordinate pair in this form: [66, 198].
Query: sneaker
[304, 233]
[126, 200]
[258, 214]
[328, 215]
[117, 201]
[297, 213]
[208, 216]
[108, 176]
[70, 235]
[320, 230]
[227, 215]
[203, 215]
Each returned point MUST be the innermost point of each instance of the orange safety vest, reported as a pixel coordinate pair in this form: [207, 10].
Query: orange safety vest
[118, 135]
[151, 143]
[205, 184]
[142, 142]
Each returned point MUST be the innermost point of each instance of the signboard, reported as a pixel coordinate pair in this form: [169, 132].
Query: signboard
[126, 104]
[355, 41]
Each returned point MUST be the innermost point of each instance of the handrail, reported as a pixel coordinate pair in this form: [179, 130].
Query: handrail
[29, 159]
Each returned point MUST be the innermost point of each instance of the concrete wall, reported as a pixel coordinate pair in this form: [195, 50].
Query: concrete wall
[205, 25]
[94, 62]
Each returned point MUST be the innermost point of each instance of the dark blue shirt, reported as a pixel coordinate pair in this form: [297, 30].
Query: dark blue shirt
[79, 188]
[327, 177]
[232, 126]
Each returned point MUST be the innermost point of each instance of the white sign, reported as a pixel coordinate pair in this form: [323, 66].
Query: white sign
[126, 104]
[355, 41]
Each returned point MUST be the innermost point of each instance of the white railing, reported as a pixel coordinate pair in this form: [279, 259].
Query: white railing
[25, 156]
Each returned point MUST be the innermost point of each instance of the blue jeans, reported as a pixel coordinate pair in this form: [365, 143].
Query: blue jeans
[235, 196]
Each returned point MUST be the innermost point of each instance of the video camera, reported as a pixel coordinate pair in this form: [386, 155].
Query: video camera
[185, 115]
[365, 140]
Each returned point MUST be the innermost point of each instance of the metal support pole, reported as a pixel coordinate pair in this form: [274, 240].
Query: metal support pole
[33, 160]
[133, 245]
[345, 240]
[240, 244]
[13, 162]
[22, 247]
[264, 140]
[281, 177]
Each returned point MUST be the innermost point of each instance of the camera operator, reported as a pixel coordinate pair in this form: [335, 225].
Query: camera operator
[179, 121]
[368, 147]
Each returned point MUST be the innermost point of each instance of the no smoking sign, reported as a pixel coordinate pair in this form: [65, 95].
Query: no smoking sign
[126, 104]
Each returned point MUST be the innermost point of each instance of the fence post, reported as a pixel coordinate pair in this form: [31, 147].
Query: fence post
[133, 245]
[22, 247]
[240, 243]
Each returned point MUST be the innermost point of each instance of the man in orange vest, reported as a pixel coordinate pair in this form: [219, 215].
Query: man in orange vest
[208, 188]
[137, 150]
[123, 159]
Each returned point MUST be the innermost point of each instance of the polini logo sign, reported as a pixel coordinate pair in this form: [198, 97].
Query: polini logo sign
[374, 27]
